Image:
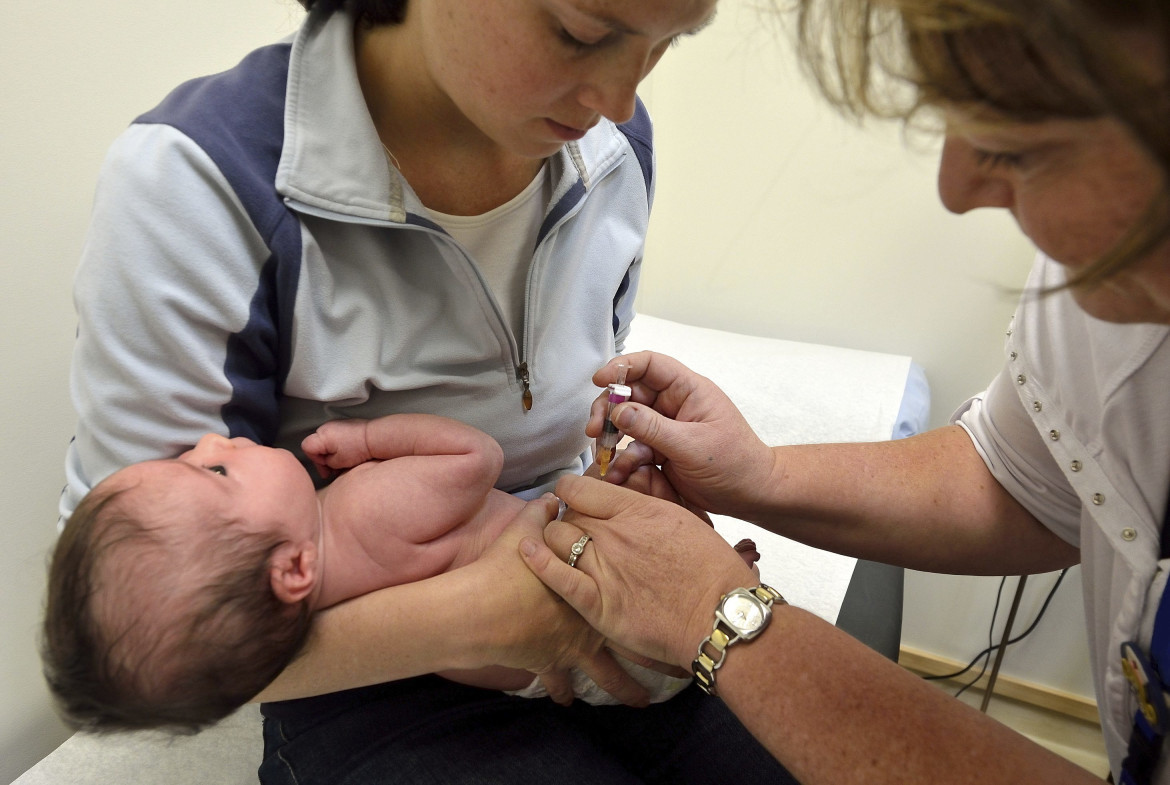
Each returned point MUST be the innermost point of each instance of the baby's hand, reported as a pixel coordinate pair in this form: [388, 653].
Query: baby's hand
[337, 445]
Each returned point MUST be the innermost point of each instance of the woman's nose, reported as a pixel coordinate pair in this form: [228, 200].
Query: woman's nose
[613, 102]
[963, 185]
[613, 89]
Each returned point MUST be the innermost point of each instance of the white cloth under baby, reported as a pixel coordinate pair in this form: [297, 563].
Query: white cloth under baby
[662, 687]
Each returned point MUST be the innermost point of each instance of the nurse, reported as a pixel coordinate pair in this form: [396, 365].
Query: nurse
[1056, 111]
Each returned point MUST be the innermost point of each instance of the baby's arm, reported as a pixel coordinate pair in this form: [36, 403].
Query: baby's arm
[343, 444]
[417, 480]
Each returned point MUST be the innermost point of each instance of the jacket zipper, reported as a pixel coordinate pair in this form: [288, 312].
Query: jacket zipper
[522, 375]
[522, 372]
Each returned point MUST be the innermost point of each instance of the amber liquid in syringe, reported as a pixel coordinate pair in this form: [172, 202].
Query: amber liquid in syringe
[610, 436]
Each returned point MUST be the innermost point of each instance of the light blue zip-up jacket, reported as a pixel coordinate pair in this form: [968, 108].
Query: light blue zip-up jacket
[254, 267]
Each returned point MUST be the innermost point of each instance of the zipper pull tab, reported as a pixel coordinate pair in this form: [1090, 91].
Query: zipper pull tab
[522, 374]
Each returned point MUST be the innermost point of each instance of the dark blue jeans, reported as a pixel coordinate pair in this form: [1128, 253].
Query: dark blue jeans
[429, 730]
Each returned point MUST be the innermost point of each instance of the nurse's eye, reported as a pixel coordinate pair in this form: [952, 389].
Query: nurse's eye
[986, 159]
[217, 469]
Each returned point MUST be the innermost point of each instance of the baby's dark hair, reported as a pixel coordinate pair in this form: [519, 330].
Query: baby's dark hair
[369, 12]
[220, 648]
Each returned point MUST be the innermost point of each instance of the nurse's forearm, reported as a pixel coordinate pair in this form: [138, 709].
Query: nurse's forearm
[834, 711]
[926, 502]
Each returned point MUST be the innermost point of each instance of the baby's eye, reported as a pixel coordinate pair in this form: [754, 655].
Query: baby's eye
[217, 469]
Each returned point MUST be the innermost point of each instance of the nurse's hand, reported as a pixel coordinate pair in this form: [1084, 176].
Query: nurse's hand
[684, 423]
[651, 575]
[543, 634]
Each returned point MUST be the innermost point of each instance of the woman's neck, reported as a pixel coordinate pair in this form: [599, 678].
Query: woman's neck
[448, 161]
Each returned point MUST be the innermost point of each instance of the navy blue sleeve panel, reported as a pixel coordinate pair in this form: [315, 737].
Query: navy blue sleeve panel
[237, 118]
[622, 291]
[560, 210]
[639, 131]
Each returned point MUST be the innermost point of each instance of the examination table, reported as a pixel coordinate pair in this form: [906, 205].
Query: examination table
[790, 393]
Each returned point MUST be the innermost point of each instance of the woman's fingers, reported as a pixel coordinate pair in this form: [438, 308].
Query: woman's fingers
[559, 685]
[613, 678]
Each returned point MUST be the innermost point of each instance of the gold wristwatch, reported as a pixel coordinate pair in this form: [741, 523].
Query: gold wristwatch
[741, 615]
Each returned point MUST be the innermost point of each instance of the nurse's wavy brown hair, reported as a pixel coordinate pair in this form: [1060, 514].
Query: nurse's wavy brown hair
[1014, 60]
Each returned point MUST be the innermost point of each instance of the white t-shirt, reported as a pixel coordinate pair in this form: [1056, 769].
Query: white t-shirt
[501, 241]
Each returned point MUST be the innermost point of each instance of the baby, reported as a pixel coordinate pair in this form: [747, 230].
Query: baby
[180, 588]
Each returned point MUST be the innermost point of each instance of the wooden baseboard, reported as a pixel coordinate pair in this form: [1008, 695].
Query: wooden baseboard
[1078, 706]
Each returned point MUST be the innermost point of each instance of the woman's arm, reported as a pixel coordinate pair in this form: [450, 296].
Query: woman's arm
[831, 710]
[407, 630]
[166, 278]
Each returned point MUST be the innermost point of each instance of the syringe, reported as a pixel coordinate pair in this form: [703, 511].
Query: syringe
[610, 436]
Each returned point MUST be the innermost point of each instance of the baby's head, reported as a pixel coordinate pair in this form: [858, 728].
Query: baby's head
[179, 589]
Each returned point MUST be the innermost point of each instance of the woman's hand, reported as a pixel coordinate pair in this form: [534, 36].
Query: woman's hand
[689, 427]
[650, 577]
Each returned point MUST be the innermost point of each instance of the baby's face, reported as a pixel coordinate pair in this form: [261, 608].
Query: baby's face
[263, 488]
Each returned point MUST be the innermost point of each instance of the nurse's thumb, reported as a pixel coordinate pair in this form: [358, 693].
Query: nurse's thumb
[647, 426]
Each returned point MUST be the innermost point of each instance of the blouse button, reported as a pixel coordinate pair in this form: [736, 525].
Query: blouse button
[1021, 379]
[1128, 534]
[1098, 499]
[1075, 466]
[1037, 406]
[1054, 435]
[1014, 355]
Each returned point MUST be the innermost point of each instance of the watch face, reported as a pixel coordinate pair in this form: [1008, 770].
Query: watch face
[744, 613]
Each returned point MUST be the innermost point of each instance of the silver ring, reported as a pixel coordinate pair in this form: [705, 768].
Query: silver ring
[577, 549]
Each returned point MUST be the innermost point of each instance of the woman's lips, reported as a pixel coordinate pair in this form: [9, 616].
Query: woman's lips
[565, 132]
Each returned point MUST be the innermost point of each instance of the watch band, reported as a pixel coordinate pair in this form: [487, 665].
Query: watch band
[713, 649]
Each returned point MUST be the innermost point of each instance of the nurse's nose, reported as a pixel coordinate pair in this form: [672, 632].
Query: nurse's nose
[964, 185]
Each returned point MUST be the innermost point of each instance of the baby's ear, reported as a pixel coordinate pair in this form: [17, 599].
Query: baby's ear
[292, 571]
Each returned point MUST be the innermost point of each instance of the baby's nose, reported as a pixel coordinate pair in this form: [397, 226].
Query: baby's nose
[212, 442]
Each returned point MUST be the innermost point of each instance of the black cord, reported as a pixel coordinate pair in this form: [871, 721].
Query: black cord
[991, 640]
[986, 653]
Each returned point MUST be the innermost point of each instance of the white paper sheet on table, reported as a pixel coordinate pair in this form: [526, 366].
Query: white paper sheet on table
[790, 393]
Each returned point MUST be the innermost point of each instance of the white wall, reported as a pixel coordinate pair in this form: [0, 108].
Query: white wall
[772, 217]
[72, 75]
[776, 217]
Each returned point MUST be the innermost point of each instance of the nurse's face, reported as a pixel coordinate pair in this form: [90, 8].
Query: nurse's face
[1075, 188]
[532, 75]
